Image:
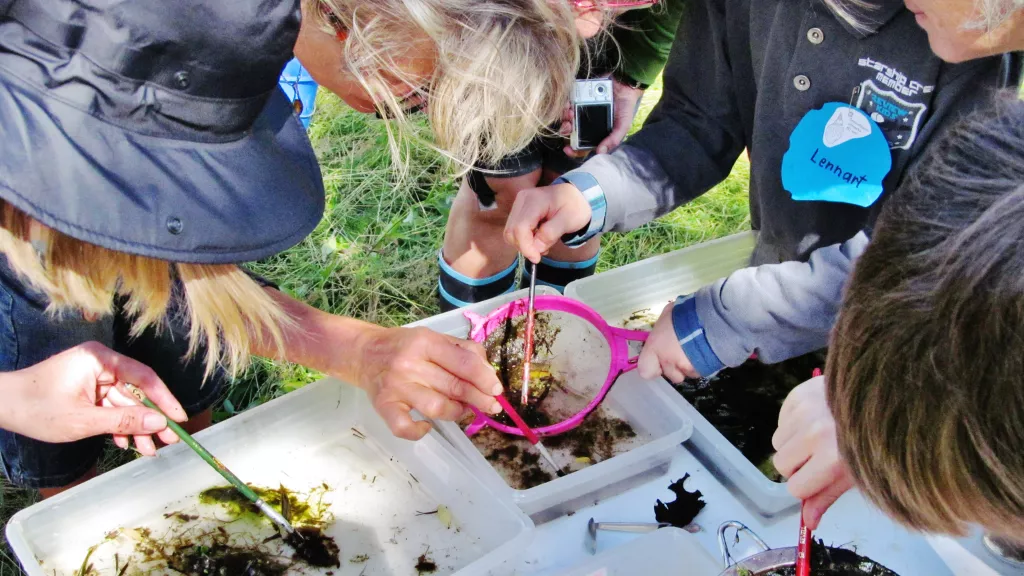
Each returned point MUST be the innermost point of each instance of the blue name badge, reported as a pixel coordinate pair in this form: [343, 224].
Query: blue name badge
[836, 154]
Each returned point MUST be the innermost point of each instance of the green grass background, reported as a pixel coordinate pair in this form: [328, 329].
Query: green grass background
[373, 256]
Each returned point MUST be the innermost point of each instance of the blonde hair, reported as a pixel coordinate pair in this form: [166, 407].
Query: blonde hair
[842, 9]
[992, 13]
[505, 68]
[225, 309]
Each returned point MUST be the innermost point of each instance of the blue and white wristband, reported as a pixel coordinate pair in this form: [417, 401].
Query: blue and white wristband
[591, 190]
[692, 338]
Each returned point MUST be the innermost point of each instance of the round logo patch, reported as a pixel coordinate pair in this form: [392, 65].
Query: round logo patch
[836, 154]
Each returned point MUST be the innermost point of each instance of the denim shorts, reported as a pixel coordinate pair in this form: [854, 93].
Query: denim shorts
[28, 336]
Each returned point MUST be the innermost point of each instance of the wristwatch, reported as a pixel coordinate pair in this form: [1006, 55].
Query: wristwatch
[592, 192]
[624, 79]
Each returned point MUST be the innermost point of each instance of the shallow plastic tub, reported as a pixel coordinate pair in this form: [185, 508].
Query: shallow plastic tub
[326, 432]
[647, 406]
[664, 552]
[634, 293]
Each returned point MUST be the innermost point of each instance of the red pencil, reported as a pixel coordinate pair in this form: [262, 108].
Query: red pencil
[806, 539]
[803, 549]
[530, 435]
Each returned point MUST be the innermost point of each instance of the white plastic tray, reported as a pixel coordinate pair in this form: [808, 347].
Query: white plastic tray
[651, 284]
[664, 552]
[301, 440]
[646, 405]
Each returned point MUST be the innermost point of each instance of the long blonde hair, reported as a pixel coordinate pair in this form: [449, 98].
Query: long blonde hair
[225, 309]
[505, 68]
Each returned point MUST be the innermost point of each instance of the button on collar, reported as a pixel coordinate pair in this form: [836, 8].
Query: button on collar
[802, 83]
[174, 225]
[182, 79]
[815, 36]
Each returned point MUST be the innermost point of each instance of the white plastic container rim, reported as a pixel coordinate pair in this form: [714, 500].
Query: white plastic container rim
[664, 552]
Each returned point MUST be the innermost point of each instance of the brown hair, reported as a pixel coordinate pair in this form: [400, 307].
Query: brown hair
[226, 310]
[926, 366]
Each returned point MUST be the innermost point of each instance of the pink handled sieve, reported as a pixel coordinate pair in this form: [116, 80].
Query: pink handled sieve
[589, 353]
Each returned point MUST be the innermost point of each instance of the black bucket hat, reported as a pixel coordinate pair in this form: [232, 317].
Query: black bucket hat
[155, 127]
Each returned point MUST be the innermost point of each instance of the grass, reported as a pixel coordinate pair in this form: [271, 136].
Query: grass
[373, 256]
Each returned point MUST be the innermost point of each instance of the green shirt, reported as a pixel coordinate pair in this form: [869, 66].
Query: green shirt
[645, 38]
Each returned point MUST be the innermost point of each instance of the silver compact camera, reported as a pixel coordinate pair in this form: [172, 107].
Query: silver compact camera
[593, 113]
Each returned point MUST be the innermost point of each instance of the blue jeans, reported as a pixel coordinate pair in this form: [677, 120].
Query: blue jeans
[29, 336]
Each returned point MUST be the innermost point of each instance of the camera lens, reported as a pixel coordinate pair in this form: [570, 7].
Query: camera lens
[600, 89]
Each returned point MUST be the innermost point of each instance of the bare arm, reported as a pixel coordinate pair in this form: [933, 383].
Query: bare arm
[401, 369]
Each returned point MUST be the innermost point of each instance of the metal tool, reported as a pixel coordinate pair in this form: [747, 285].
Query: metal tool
[203, 453]
[528, 348]
[1007, 551]
[635, 527]
[530, 435]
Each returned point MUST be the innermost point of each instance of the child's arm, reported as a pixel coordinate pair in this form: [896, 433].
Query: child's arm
[777, 311]
[688, 144]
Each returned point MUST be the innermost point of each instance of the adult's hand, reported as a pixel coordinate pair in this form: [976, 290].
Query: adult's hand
[662, 355]
[626, 104]
[415, 368]
[541, 216]
[807, 451]
[75, 395]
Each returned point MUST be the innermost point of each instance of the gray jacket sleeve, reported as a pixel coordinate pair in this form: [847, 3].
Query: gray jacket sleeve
[777, 310]
[691, 139]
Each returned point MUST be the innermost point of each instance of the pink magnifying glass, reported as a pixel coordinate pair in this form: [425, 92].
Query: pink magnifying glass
[585, 355]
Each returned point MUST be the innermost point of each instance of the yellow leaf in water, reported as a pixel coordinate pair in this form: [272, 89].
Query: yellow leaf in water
[445, 516]
[583, 460]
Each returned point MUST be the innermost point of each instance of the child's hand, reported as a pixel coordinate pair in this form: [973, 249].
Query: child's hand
[662, 355]
[541, 216]
[807, 451]
[74, 395]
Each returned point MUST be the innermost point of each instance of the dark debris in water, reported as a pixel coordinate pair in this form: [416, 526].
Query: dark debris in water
[224, 560]
[314, 548]
[210, 550]
[829, 561]
[505, 351]
[743, 403]
[680, 512]
[424, 565]
[595, 440]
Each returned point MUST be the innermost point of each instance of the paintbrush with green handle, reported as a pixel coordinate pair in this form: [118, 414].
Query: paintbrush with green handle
[203, 453]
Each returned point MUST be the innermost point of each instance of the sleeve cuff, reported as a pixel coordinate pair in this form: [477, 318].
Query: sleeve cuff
[591, 190]
[690, 334]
